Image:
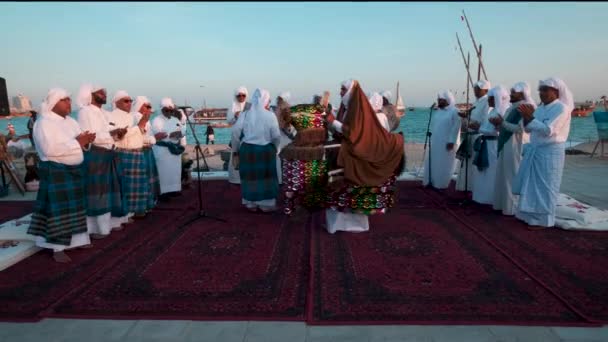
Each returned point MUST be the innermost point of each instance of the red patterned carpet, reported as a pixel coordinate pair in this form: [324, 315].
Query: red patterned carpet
[428, 261]
[10, 210]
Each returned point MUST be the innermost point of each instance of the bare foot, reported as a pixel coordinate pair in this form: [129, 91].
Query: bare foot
[61, 257]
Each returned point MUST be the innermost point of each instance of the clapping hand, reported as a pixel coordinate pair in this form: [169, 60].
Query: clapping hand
[474, 125]
[496, 120]
[527, 111]
[85, 138]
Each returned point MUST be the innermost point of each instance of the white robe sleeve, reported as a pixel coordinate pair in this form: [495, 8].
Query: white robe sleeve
[158, 127]
[549, 128]
[337, 125]
[455, 128]
[275, 132]
[514, 128]
[54, 144]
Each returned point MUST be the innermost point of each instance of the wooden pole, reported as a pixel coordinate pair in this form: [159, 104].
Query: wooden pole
[483, 69]
[466, 63]
[480, 66]
[468, 77]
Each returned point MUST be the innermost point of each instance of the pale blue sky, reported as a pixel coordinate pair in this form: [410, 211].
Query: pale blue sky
[170, 49]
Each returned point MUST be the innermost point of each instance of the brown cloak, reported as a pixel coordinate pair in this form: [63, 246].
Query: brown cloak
[368, 153]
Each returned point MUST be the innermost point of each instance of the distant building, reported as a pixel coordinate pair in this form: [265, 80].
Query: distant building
[22, 103]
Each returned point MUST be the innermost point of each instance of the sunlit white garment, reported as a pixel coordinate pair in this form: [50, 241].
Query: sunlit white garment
[479, 114]
[445, 128]
[540, 173]
[508, 164]
[383, 121]
[55, 139]
[148, 135]
[94, 119]
[233, 175]
[133, 139]
[347, 222]
[485, 180]
[169, 165]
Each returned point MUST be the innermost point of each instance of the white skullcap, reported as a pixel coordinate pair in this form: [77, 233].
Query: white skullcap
[54, 95]
[375, 100]
[348, 84]
[483, 84]
[387, 94]
[285, 95]
[241, 90]
[449, 97]
[140, 101]
[523, 87]
[167, 102]
[84, 94]
[565, 96]
[501, 98]
[121, 94]
[260, 99]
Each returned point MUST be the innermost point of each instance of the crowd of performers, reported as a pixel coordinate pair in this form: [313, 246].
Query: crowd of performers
[103, 170]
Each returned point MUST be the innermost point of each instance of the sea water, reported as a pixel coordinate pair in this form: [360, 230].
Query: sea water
[413, 126]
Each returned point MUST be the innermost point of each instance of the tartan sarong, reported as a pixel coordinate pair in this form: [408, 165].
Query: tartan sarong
[258, 171]
[102, 182]
[60, 211]
[135, 185]
[152, 174]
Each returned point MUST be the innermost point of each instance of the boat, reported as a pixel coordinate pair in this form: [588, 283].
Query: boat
[410, 109]
[207, 115]
[583, 110]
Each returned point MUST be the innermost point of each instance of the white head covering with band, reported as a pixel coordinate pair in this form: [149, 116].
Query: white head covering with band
[523, 87]
[139, 102]
[54, 95]
[501, 99]
[565, 96]
[483, 84]
[167, 102]
[449, 97]
[85, 94]
[121, 94]
[348, 84]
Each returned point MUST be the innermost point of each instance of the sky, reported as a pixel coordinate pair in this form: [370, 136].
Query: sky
[173, 49]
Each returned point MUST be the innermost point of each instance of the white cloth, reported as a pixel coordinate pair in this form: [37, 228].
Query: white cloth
[387, 94]
[258, 125]
[133, 139]
[121, 94]
[81, 239]
[508, 163]
[167, 102]
[94, 119]
[540, 173]
[100, 224]
[483, 84]
[348, 84]
[479, 114]
[383, 121]
[347, 222]
[55, 139]
[54, 95]
[445, 128]
[551, 124]
[85, 94]
[565, 96]
[523, 87]
[484, 181]
[375, 100]
[169, 165]
[148, 136]
[285, 96]
[236, 106]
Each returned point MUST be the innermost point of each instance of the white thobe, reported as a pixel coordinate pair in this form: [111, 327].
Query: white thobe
[169, 165]
[540, 173]
[507, 165]
[261, 130]
[233, 175]
[94, 119]
[133, 139]
[445, 128]
[149, 139]
[485, 180]
[479, 114]
[55, 139]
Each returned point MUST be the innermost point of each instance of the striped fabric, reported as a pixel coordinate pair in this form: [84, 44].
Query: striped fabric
[60, 211]
[152, 174]
[135, 185]
[258, 171]
[102, 182]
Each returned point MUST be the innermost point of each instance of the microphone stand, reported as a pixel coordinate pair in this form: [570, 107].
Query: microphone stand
[428, 138]
[201, 213]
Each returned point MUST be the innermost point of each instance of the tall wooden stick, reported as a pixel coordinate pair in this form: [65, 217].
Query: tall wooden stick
[479, 66]
[468, 77]
[475, 45]
[466, 63]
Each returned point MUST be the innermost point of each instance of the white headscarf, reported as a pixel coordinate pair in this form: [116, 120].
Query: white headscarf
[501, 99]
[259, 101]
[348, 84]
[167, 102]
[565, 96]
[85, 96]
[483, 84]
[448, 96]
[387, 94]
[140, 101]
[121, 94]
[523, 87]
[375, 100]
[54, 95]
[285, 96]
